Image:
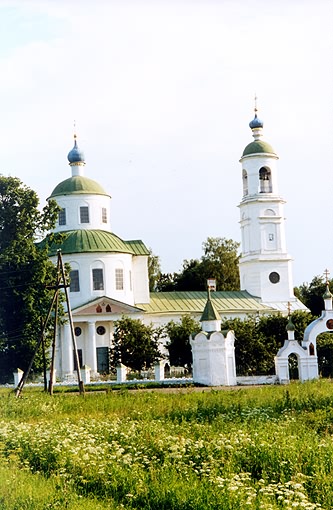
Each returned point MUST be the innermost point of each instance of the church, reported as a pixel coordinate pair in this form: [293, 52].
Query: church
[109, 275]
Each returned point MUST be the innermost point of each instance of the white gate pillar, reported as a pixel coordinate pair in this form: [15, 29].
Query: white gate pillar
[91, 354]
[67, 351]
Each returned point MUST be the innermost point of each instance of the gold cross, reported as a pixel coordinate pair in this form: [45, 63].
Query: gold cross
[289, 308]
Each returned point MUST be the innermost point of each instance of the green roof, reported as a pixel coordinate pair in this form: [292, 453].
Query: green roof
[258, 147]
[78, 185]
[87, 241]
[194, 303]
[210, 313]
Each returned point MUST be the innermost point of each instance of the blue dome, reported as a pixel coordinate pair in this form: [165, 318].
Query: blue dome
[256, 123]
[75, 155]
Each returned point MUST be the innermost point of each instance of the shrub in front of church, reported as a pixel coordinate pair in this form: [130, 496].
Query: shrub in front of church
[135, 344]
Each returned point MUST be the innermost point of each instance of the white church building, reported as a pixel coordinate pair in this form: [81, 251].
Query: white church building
[109, 275]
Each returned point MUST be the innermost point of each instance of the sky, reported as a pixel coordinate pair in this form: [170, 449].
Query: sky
[161, 93]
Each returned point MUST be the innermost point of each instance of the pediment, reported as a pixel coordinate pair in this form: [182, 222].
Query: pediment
[105, 306]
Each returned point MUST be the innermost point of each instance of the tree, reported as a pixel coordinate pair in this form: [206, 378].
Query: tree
[312, 294]
[253, 352]
[193, 276]
[136, 345]
[165, 282]
[154, 270]
[25, 273]
[258, 339]
[325, 354]
[219, 261]
[178, 345]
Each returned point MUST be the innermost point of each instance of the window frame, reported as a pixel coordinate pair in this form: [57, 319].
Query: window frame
[62, 220]
[84, 214]
[97, 281]
[74, 281]
[119, 278]
[104, 215]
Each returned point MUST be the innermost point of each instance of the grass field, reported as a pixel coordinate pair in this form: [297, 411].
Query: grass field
[256, 448]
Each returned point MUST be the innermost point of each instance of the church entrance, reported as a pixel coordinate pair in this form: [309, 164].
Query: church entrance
[293, 366]
[102, 360]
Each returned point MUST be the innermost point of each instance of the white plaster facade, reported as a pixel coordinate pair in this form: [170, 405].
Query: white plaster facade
[307, 352]
[214, 359]
[112, 275]
[265, 265]
[109, 276]
[213, 353]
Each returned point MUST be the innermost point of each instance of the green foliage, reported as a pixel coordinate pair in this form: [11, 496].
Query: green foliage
[166, 282]
[220, 261]
[258, 339]
[25, 273]
[311, 294]
[259, 448]
[178, 345]
[135, 344]
[154, 270]
[254, 352]
[325, 354]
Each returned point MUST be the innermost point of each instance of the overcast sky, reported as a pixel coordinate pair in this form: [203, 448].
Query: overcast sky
[162, 93]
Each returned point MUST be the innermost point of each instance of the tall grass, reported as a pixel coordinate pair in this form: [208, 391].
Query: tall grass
[256, 448]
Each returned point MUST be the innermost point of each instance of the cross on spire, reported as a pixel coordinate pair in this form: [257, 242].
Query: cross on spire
[289, 308]
[255, 103]
[326, 273]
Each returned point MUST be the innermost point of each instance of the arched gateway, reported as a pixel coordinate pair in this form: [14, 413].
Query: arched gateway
[307, 352]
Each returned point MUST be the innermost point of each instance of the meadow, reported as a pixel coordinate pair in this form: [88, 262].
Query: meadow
[187, 449]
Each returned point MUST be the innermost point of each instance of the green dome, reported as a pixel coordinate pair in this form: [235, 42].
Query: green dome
[257, 147]
[85, 241]
[78, 185]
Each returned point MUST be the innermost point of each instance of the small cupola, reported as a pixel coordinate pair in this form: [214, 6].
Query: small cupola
[290, 329]
[328, 298]
[76, 159]
[258, 146]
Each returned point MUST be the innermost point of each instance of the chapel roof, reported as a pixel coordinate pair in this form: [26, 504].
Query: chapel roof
[210, 313]
[78, 185]
[225, 302]
[258, 147]
[90, 241]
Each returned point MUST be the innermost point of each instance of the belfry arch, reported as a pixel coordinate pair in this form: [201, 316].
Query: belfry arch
[265, 180]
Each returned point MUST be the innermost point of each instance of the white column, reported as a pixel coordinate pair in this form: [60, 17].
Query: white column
[91, 355]
[67, 351]
[159, 370]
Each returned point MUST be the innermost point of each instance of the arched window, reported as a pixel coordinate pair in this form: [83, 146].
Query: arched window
[98, 275]
[74, 277]
[311, 350]
[245, 183]
[265, 180]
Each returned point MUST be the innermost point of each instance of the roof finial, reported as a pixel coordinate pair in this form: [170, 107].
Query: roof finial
[326, 273]
[75, 156]
[256, 123]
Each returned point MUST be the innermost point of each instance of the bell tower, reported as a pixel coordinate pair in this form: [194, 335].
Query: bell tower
[265, 265]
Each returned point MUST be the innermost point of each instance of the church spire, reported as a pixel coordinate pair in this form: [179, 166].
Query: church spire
[256, 124]
[76, 158]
